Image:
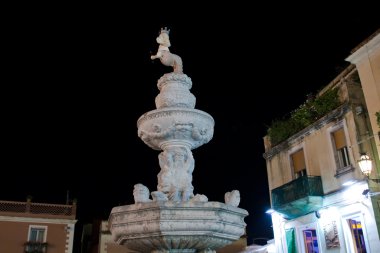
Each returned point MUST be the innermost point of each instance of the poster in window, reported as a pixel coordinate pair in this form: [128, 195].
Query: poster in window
[331, 235]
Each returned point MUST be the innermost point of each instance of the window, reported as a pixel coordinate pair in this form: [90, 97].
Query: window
[357, 235]
[37, 234]
[36, 242]
[298, 162]
[311, 241]
[341, 150]
[355, 232]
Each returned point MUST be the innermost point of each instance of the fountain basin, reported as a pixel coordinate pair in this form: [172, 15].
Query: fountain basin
[186, 227]
[175, 125]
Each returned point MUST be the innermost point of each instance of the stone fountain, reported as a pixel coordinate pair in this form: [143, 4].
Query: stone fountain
[176, 220]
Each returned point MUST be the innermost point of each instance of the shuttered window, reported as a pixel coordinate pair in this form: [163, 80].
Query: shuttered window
[340, 139]
[342, 156]
[298, 159]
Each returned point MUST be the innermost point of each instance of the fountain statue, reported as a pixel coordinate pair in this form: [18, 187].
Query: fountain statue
[176, 220]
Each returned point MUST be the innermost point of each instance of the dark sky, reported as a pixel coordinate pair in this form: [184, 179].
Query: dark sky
[77, 81]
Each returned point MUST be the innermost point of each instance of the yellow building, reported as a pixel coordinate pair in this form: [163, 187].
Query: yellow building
[320, 198]
[366, 58]
[36, 227]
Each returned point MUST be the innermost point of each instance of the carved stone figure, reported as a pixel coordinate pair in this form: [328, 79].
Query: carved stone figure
[175, 178]
[141, 194]
[199, 134]
[199, 198]
[232, 198]
[166, 175]
[159, 196]
[163, 53]
[183, 163]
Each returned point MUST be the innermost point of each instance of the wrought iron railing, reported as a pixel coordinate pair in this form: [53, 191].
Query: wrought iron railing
[35, 247]
[297, 189]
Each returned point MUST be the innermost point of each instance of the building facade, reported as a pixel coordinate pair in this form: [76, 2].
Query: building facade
[320, 198]
[366, 58]
[36, 227]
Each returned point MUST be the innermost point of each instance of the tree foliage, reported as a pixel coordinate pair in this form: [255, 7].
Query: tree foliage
[306, 114]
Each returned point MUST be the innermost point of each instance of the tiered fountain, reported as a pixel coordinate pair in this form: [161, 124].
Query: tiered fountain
[176, 220]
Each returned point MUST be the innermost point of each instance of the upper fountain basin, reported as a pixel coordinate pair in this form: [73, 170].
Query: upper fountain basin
[175, 125]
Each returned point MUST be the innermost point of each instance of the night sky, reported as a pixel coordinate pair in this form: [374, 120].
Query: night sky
[76, 82]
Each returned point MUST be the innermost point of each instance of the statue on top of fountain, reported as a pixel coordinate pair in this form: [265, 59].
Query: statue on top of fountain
[163, 53]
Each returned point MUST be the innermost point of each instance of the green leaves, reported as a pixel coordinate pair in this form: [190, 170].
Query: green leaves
[306, 114]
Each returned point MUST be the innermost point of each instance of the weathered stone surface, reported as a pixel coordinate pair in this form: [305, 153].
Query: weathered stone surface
[174, 91]
[174, 220]
[189, 127]
[188, 227]
[164, 54]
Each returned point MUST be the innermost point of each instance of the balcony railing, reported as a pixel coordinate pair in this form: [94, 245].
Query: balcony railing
[298, 197]
[29, 209]
[36, 247]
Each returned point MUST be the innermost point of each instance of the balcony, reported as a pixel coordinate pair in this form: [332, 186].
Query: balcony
[298, 197]
[35, 247]
[37, 210]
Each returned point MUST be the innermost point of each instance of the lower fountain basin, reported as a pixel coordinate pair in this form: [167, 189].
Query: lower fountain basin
[176, 227]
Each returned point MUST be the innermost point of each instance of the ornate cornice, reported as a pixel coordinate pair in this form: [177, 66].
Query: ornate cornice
[167, 112]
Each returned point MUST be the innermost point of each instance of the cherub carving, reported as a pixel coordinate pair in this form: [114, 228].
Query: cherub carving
[157, 133]
[175, 177]
[166, 175]
[163, 53]
[183, 163]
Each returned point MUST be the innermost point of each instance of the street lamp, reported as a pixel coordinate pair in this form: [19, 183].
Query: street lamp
[365, 165]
